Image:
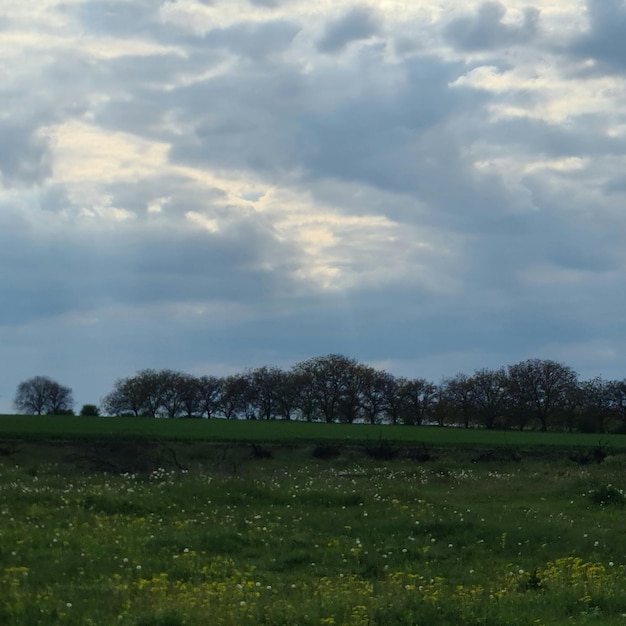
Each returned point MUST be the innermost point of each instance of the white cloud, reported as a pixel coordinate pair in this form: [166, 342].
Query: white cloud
[85, 153]
[211, 225]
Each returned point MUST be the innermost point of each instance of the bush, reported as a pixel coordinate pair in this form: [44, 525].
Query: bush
[90, 410]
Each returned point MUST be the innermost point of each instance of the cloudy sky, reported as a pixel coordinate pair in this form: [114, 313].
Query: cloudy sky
[208, 185]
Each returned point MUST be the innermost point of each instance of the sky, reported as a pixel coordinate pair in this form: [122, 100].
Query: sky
[429, 187]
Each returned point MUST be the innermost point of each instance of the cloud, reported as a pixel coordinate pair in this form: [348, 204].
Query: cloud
[270, 4]
[486, 30]
[358, 24]
[145, 261]
[255, 40]
[24, 155]
[112, 17]
[211, 185]
[604, 40]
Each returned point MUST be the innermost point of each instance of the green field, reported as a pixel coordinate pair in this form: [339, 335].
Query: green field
[220, 430]
[153, 529]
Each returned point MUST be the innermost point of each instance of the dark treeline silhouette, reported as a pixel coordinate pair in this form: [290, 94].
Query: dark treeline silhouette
[41, 395]
[532, 394]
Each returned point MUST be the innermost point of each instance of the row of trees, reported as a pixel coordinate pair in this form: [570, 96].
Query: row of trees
[536, 393]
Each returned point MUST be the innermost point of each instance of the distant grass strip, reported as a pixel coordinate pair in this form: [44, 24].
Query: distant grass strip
[220, 430]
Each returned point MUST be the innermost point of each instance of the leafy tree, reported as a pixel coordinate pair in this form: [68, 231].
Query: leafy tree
[42, 395]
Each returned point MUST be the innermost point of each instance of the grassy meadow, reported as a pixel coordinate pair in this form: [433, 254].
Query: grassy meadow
[227, 535]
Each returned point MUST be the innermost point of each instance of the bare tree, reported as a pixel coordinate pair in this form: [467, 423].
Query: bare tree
[595, 406]
[330, 382]
[141, 394]
[394, 398]
[265, 389]
[351, 400]
[373, 393]
[490, 391]
[617, 393]
[459, 394]
[209, 393]
[154, 384]
[288, 396]
[41, 395]
[419, 396]
[541, 388]
[188, 387]
[235, 397]
[126, 398]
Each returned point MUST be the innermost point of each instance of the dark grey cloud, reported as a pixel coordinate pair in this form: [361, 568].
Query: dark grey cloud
[223, 102]
[270, 120]
[615, 185]
[510, 246]
[486, 29]
[247, 119]
[386, 140]
[357, 24]
[155, 261]
[604, 40]
[25, 157]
